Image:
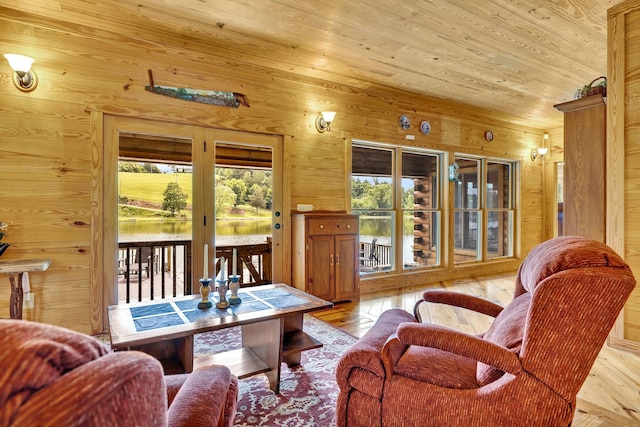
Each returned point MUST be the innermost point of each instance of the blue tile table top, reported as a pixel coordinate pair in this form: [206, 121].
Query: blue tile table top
[164, 314]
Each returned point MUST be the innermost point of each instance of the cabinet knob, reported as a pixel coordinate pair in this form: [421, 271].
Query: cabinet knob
[348, 225]
[321, 226]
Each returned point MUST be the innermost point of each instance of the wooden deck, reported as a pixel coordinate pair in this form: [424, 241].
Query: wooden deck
[609, 397]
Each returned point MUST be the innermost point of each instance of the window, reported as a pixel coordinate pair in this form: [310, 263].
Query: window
[483, 222]
[467, 215]
[420, 209]
[390, 183]
[500, 212]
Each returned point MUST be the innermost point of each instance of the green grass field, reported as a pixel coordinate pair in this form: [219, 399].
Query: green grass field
[149, 187]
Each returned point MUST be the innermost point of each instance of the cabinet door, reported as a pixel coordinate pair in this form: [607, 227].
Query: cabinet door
[347, 259]
[321, 267]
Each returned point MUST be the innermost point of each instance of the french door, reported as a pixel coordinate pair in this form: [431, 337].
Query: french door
[187, 145]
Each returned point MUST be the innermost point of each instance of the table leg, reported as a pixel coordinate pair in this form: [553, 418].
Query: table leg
[184, 349]
[265, 340]
[293, 323]
[15, 301]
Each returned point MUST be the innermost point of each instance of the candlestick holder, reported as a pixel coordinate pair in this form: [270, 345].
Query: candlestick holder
[234, 285]
[222, 292]
[205, 290]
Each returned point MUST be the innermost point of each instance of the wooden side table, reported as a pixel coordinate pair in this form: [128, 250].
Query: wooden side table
[19, 267]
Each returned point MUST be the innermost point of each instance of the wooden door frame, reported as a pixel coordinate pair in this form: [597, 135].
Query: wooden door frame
[105, 129]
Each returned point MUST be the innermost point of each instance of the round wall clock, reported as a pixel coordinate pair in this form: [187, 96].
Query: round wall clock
[488, 135]
[405, 122]
[425, 127]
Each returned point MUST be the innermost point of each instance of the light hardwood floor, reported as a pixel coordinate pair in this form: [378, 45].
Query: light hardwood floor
[609, 397]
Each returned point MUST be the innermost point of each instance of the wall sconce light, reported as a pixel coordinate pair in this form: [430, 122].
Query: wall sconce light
[324, 119]
[539, 152]
[542, 151]
[24, 78]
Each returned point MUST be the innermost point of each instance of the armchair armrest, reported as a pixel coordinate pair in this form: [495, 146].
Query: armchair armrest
[201, 396]
[365, 353]
[458, 299]
[473, 347]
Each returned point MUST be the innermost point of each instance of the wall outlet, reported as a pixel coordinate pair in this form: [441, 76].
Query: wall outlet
[304, 208]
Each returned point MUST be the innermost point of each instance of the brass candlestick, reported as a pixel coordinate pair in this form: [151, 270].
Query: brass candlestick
[205, 290]
[222, 292]
[234, 299]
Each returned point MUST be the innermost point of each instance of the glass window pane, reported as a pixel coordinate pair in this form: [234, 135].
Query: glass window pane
[466, 189]
[371, 192]
[498, 185]
[419, 181]
[466, 239]
[500, 233]
[376, 241]
[420, 242]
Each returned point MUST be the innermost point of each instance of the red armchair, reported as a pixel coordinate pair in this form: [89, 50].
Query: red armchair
[57, 377]
[526, 369]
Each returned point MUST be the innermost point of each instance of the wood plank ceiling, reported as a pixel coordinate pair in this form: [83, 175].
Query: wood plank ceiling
[505, 56]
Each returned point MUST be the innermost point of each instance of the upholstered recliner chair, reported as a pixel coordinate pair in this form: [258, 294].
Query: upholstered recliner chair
[525, 370]
[50, 376]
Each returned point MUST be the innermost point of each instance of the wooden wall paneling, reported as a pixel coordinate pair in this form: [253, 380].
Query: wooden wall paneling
[531, 198]
[84, 68]
[44, 167]
[631, 173]
[99, 292]
[552, 159]
[317, 171]
[622, 156]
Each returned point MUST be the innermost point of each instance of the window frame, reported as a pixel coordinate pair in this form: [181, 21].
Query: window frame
[483, 210]
[397, 211]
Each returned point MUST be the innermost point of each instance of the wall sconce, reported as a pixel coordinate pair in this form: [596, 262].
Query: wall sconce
[23, 77]
[539, 152]
[542, 151]
[324, 119]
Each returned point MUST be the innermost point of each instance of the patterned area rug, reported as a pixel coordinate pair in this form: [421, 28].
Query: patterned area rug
[308, 392]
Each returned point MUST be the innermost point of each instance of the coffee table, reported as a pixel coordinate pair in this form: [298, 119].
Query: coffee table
[270, 317]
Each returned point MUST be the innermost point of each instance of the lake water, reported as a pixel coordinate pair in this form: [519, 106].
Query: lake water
[242, 232]
[228, 232]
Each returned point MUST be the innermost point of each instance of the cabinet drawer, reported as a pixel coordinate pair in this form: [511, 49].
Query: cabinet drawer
[333, 226]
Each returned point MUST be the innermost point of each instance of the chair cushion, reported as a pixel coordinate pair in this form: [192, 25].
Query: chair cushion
[564, 253]
[438, 367]
[507, 330]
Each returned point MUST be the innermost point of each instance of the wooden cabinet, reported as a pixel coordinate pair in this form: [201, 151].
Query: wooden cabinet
[584, 206]
[325, 255]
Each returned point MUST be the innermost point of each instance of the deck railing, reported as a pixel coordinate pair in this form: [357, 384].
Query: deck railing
[374, 257]
[154, 269]
[159, 269]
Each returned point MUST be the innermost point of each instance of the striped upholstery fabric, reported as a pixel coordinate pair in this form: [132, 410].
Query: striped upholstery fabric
[50, 376]
[525, 370]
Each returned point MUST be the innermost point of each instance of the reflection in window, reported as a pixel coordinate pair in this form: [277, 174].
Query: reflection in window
[467, 215]
[499, 210]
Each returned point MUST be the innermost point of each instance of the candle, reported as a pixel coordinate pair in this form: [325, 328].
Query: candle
[235, 261]
[206, 262]
[222, 269]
